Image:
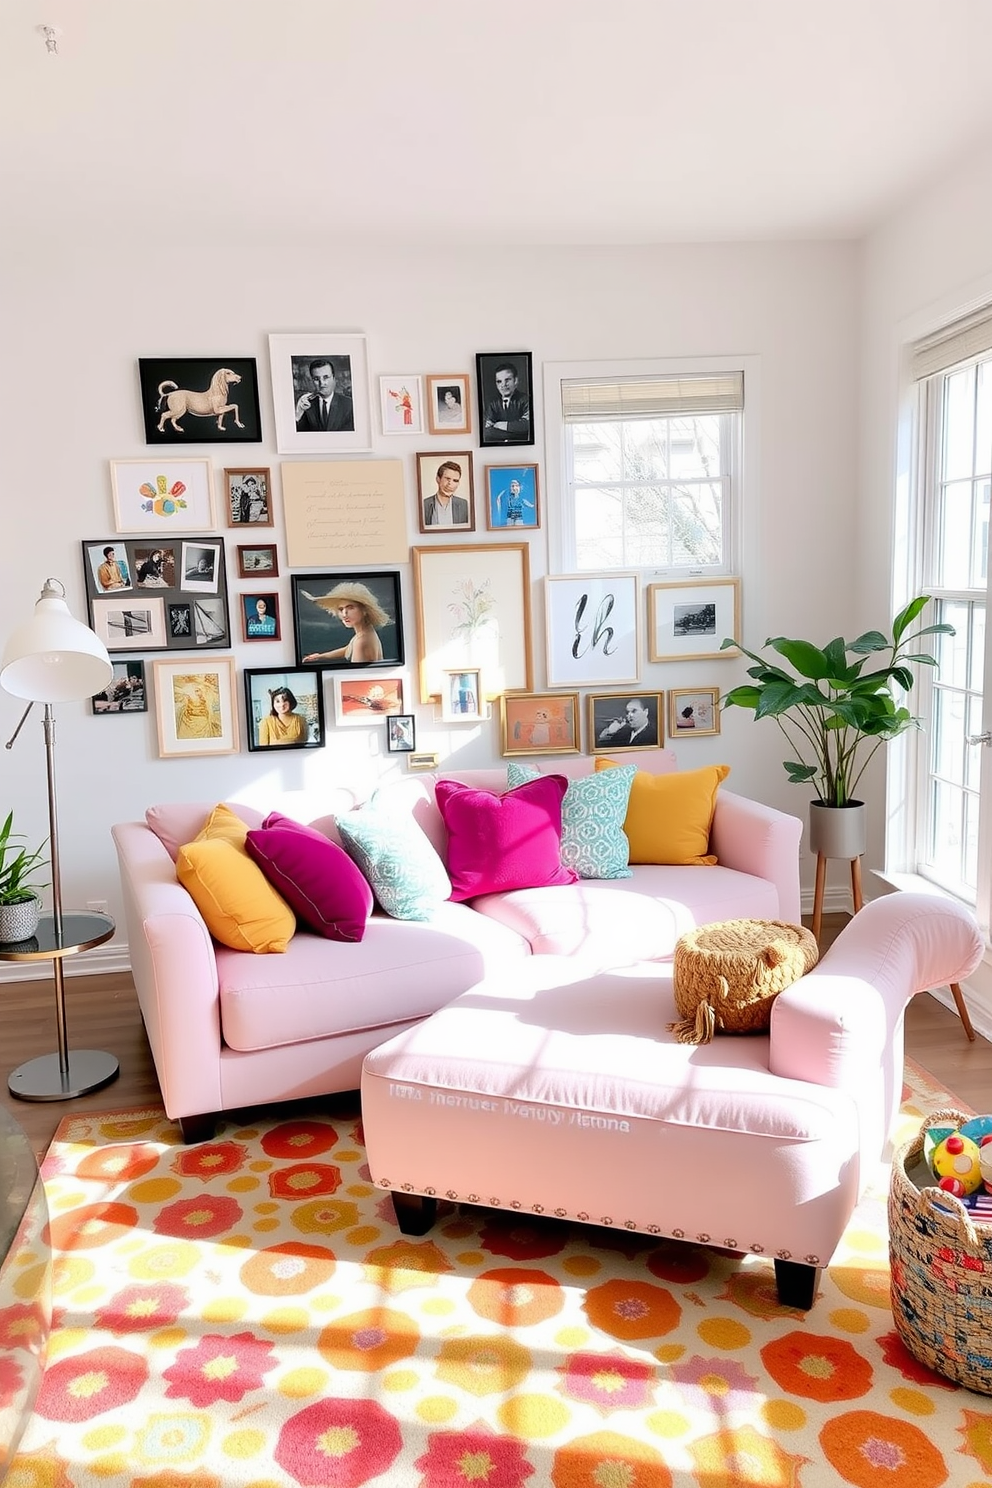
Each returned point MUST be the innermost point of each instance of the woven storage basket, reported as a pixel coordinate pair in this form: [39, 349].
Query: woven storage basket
[941, 1270]
[727, 975]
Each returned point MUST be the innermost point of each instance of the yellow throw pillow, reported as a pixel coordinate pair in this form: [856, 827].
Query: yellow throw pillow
[241, 908]
[225, 824]
[669, 816]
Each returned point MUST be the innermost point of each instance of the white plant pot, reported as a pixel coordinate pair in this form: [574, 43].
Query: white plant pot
[838, 831]
[19, 921]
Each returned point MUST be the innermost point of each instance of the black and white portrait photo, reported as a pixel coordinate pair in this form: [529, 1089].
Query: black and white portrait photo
[625, 720]
[505, 393]
[200, 566]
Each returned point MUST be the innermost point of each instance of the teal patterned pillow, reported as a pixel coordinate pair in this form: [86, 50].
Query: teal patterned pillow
[593, 841]
[407, 877]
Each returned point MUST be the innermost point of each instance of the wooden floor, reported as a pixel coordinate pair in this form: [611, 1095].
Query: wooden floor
[102, 1013]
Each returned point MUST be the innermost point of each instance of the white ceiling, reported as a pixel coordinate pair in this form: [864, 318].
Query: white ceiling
[469, 121]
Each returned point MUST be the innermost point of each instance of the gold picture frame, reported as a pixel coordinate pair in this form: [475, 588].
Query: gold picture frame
[693, 712]
[473, 611]
[689, 619]
[539, 723]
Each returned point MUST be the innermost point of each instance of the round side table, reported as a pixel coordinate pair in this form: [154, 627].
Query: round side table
[62, 1075]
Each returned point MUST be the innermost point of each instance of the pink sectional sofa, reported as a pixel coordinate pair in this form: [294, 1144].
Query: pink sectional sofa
[229, 1029]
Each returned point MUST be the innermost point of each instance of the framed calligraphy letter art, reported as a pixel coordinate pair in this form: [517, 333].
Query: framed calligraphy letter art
[593, 623]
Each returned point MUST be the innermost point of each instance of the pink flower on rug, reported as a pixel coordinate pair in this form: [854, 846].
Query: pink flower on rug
[338, 1443]
[609, 1460]
[742, 1455]
[524, 1241]
[22, 1326]
[817, 1367]
[11, 1379]
[608, 1381]
[139, 1308]
[897, 1356]
[299, 1139]
[208, 1160]
[197, 1219]
[709, 1383]
[219, 1367]
[85, 1385]
[476, 1456]
[308, 1180]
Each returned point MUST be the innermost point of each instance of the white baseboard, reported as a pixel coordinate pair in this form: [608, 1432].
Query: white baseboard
[99, 962]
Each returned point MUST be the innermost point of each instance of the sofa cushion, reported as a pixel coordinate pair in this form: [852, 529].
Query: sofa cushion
[593, 841]
[407, 876]
[669, 816]
[239, 905]
[318, 880]
[502, 842]
[176, 822]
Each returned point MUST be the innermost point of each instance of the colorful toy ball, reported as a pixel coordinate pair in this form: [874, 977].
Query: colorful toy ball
[955, 1164]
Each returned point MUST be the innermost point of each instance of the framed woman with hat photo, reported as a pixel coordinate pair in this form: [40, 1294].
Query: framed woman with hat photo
[344, 620]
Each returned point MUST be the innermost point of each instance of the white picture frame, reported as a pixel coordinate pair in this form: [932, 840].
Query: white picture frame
[361, 698]
[463, 700]
[130, 622]
[401, 403]
[688, 620]
[196, 706]
[290, 357]
[162, 495]
[593, 629]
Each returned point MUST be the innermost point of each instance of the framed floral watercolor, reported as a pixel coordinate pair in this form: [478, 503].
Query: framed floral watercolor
[473, 611]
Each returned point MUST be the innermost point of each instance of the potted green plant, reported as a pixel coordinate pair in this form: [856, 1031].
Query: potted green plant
[835, 715]
[20, 905]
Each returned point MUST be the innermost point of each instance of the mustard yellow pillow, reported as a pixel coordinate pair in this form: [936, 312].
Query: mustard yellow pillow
[669, 816]
[226, 825]
[241, 908]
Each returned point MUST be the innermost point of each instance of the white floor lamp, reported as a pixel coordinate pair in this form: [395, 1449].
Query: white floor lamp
[53, 658]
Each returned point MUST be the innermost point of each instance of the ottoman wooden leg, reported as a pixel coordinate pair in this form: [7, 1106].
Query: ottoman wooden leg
[796, 1283]
[415, 1213]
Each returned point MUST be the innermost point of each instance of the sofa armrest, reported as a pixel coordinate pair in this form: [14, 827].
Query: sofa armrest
[175, 973]
[758, 839]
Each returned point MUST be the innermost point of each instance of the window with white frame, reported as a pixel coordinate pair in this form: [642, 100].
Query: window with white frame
[650, 468]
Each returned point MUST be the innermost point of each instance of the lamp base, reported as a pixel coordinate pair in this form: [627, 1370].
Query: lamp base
[42, 1080]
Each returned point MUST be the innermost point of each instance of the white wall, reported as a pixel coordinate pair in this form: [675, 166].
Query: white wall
[76, 315]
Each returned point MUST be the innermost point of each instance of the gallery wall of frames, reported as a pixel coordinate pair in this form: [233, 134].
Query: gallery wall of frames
[190, 565]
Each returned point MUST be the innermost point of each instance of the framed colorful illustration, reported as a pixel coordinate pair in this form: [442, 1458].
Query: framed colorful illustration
[320, 389]
[512, 497]
[248, 497]
[257, 560]
[284, 708]
[200, 400]
[362, 699]
[445, 492]
[593, 629]
[473, 610]
[195, 707]
[345, 620]
[449, 403]
[165, 596]
[689, 620]
[506, 389]
[625, 720]
[539, 723]
[162, 496]
[401, 733]
[462, 700]
[401, 399]
[125, 692]
[260, 617]
[693, 712]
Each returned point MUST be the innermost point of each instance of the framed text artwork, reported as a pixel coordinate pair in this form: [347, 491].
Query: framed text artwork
[689, 620]
[473, 611]
[593, 629]
[284, 708]
[200, 400]
[347, 620]
[164, 596]
[162, 495]
[195, 707]
[506, 385]
[320, 389]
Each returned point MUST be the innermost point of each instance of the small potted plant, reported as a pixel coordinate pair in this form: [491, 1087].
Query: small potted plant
[20, 905]
[835, 715]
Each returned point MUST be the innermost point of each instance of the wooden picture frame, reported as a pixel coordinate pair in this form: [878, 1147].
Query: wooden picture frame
[689, 619]
[258, 561]
[401, 733]
[442, 477]
[449, 403]
[304, 696]
[260, 617]
[323, 637]
[295, 362]
[505, 377]
[248, 497]
[174, 597]
[593, 629]
[622, 722]
[513, 501]
[539, 723]
[693, 712]
[361, 699]
[163, 496]
[196, 707]
[473, 610]
[401, 403]
[200, 400]
[126, 692]
[462, 700]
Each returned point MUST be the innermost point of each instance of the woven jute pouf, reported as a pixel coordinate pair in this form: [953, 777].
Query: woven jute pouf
[728, 975]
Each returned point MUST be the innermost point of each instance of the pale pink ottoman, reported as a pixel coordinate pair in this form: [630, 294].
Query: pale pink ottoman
[566, 1095]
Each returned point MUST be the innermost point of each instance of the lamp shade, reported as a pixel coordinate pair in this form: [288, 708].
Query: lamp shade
[53, 658]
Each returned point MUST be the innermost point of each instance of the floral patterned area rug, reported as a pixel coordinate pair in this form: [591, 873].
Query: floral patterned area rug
[246, 1312]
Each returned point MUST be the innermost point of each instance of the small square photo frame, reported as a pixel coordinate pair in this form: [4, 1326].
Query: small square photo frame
[446, 487]
[248, 497]
[401, 733]
[512, 498]
[284, 708]
[126, 692]
[361, 699]
[257, 561]
[689, 620]
[196, 707]
[462, 700]
[401, 401]
[260, 616]
[693, 712]
[622, 722]
[539, 723]
[449, 403]
[506, 392]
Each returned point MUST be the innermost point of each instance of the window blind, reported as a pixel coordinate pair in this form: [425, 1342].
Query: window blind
[585, 401]
[955, 343]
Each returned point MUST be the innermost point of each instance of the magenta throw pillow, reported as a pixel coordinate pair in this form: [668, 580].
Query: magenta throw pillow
[318, 880]
[497, 843]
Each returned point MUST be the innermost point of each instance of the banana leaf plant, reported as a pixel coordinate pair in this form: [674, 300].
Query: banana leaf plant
[833, 713]
[18, 866]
